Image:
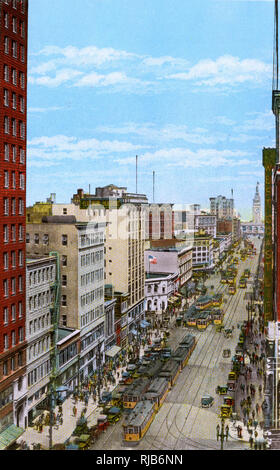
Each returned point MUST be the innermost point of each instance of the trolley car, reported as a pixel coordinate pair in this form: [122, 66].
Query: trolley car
[157, 391]
[170, 370]
[138, 422]
[134, 393]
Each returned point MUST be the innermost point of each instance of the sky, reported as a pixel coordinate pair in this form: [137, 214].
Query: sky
[184, 84]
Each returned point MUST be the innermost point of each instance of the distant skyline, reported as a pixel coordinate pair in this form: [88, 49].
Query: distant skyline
[186, 86]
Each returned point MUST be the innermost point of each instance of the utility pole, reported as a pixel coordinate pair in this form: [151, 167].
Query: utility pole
[136, 173]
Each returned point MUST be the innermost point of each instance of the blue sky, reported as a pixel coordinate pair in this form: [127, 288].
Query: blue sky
[183, 84]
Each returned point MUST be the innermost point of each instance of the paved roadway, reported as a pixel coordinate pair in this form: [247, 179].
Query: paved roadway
[181, 423]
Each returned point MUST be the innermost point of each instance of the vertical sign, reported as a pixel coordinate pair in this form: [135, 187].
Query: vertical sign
[269, 161]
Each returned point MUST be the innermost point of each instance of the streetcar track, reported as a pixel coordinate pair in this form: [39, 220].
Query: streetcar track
[232, 303]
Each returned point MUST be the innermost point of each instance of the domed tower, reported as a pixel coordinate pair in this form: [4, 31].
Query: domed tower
[257, 207]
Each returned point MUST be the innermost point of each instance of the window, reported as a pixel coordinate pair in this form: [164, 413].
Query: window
[46, 239]
[14, 127]
[22, 53]
[13, 310]
[20, 232]
[6, 97]
[22, 80]
[6, 179]
[6, 287]
[20, 258]
[6, 315]
[20, 309]
[22, 129]
[21, 181]
[13, 232]
[14, 49]
[64, 260]
[21, 155]
[6, 346]
[6, 152]
[22, 29]
[36, 238]
[6, 20]
[6, 260]
[15, 4]
[64, 300]
[13, 363]
[14, 101]
[13, 258]
[6, 73]
[13, 180]
[14, 76]
[20, 333]
[13, 206]
[20, 360]
[6, 45]
[6, 206]
[5, 364]
[14, 153]
[64, 240]
[21, 104]
[6, 125]
[64, 280]
[14, 25]
[6, 233]
[20, 206]
[13, 338]
[20, 283]
[27, 238]
[13, 285]
[64, 211]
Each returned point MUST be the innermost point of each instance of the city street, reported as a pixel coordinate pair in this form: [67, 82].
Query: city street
[181, 423]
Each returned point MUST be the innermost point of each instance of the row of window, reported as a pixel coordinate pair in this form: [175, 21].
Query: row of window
[92, 337]
[13, 364]
[17, 101]
[15, 75]
[14, 128]
[6, 233]
[91, 315]
[92, 277]
[41, 300]
[14, 152]
[16, 4]
[90, 297]
[39, 347]
[10, 340]
[39, 373]
[18, 50]
[17, 25]
[12, 314]
[92, 258]
[13, 287]
[68, 353]
[13, 183]
[45, 238]
[12, 259]
[39, 276]
[91, 239]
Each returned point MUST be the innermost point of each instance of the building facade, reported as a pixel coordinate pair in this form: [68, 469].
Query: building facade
[257, 207]
[13, 57]
[40, 277]
[221, 207]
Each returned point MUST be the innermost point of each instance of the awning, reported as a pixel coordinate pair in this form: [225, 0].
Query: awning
[113, 351]
[9, 436]
[144, 324]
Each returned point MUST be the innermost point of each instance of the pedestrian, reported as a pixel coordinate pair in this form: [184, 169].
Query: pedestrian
[74, 410]
[251, 441]
[227, 431]
[218, 431]
[256, 434]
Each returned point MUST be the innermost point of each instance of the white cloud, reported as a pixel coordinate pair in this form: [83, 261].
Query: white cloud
[226, 70]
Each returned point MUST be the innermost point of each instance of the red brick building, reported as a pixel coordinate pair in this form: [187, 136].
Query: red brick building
[13, 79]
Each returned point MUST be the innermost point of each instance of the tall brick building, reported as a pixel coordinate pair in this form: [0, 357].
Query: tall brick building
[13, 79]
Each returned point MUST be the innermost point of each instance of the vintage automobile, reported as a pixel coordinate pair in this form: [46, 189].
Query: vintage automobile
[226, 411]
[226, 353]
[222, 389]
[207, 401]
